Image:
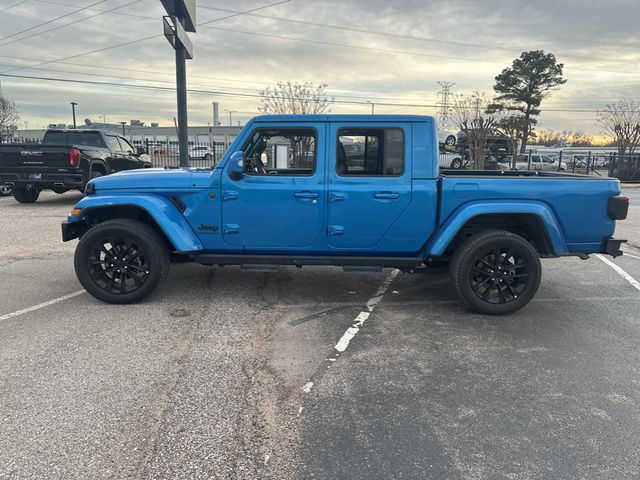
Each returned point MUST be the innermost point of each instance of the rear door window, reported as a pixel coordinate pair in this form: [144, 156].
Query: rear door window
[374, 152]
[112, 143]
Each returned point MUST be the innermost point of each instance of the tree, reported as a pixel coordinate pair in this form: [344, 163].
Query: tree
[522, 87]
[8, 112]
[470, 114]
[621, 120]
[295, 98]
[575, 138]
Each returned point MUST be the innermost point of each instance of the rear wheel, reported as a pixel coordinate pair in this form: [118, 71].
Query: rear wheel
[121, 261]
[450, 140]
[496, 272]
[5, 190]
[26, 195]
[207, 157]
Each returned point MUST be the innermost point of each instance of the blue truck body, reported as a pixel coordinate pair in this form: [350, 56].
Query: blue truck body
[418, 213]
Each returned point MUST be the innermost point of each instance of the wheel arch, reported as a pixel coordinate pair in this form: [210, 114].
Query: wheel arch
[532, 220]
[159, 213]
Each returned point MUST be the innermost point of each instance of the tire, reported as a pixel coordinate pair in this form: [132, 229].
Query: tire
[96, 174]
[450, 140]
[143, 263]
[5, 190]
[505, 263]
[24, 195]
[456, 163]
[207, 157]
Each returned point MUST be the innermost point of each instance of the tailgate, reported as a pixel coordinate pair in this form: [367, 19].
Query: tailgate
[33, 155]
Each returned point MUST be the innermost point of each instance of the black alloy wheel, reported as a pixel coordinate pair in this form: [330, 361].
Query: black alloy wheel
[499, 275]
[118, 265]
[121, 261]
[496, 272]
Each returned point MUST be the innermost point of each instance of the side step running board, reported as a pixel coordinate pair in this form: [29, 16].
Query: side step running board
[269, 262]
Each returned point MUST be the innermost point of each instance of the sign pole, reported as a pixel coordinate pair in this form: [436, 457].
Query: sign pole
[181, 87]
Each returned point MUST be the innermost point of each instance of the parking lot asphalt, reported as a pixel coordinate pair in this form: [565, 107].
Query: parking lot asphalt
[223, 374]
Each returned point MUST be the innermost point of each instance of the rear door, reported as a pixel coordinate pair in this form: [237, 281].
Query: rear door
[279, 202]
[369, 181]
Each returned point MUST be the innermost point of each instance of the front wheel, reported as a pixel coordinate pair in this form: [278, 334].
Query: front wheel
[26, 195]
[121, 261]
[207, 157]
[496, 272]
[5, 190]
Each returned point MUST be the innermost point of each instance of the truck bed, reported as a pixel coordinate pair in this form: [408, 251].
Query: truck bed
[580, 210]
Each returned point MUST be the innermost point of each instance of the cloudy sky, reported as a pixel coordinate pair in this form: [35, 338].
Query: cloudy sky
[391, 53]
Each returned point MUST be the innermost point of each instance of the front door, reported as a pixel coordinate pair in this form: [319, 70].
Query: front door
[369, 182]
[280, 200]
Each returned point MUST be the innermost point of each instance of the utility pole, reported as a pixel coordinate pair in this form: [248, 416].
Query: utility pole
[123, 124]
[231, 112]
[373, 107]
[444, 99]
[181, 19]
[73, 111]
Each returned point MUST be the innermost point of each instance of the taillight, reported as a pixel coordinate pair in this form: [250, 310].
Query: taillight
[618, 207]
[74, 157]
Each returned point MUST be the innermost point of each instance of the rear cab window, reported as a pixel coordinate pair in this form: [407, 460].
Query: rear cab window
[89, 139]
[370, 152]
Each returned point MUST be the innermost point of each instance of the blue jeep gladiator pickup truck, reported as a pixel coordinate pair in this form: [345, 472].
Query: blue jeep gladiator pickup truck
[357, 191]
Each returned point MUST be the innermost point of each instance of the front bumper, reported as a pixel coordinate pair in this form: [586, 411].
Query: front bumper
[43, 180]
[71, 230]
[612, 247]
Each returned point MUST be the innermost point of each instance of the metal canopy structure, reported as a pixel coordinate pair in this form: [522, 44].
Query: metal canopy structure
[180, 19]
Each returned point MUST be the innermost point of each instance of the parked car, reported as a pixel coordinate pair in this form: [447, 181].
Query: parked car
[538, 163]
[65, 160]
[450, 160]
[447, 138]
[201, 151]
[382, 205]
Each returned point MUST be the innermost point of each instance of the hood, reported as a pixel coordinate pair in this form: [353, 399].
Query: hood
[143, 179]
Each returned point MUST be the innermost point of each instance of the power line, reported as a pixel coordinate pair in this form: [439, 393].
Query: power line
[404, 36]
[70, 23]
[131, 42]
[247, 95]
[14, 5]
[52, 20]
[318, 42]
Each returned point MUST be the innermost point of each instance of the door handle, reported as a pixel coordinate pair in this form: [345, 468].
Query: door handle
[308, 195]
[336, 197]
[386, 196]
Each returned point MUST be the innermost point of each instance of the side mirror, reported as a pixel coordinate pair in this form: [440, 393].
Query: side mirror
[141, 150]
[236, 165]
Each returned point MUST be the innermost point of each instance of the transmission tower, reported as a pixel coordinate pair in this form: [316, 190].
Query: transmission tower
[443, 101]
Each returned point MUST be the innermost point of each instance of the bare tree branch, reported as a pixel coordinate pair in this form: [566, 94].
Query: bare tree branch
[621, 120]
[8, 113]
[470, 114]
[295, 98]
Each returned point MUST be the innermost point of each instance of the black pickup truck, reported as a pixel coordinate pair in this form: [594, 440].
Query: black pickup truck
[65, 160]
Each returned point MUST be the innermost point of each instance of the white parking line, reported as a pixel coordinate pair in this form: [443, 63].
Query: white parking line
[632, 256]
[355, 327]
[634, 283]
[7, 316]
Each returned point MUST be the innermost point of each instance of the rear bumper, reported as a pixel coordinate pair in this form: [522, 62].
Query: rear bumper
[43, 180]
[612, 247]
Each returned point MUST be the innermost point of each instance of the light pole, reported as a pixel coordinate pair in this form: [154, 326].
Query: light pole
[73, 111]
[231, 112]
[373, 106]
[123, 124]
